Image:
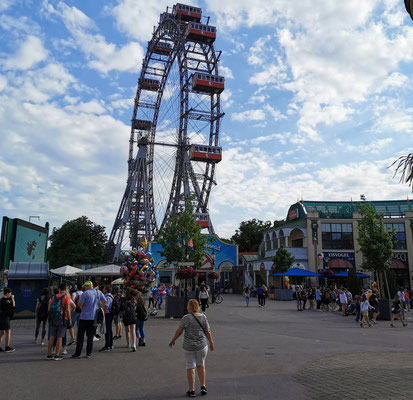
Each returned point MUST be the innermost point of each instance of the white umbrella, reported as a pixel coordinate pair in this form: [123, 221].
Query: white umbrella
[66, 270]
[106, 270]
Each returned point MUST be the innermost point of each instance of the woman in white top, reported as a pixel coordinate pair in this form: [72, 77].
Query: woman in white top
[364, 309]
[204, 297]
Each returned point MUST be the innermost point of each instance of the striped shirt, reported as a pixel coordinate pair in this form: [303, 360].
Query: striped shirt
[194, 336]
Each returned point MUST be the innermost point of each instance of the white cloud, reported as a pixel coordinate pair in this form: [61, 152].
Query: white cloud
[29, 54]
[374, 147]
[277, 115]
[102, 56]
[90, 107]
[5, 4]
[137, 17]
[249, 115]
[226, 72]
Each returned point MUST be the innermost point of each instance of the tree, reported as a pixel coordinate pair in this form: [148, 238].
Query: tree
[405, 169]
[283, 260]
[175, 238]
[79, 241]
[376, 244]
[250, 233]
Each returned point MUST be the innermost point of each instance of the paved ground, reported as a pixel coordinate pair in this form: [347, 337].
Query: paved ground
[261, 353]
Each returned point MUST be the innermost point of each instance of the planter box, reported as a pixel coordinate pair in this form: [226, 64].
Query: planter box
[385, 309]
[283, 294]
[175, 307]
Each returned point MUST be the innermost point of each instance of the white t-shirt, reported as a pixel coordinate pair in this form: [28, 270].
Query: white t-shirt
[204, 295]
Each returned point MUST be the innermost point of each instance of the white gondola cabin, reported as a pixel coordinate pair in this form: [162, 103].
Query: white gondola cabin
[202, 219]
[141, 125]
[182, 12]
[196, 32]
[163, 48]
[149, 84]
[205, 153]
[205, 83]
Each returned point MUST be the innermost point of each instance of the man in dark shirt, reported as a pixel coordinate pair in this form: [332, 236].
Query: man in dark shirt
[7, 306]
[260, 295]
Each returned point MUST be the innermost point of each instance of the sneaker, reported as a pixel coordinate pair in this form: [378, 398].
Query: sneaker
[95, 339]
[115, 337]
[9, 349]
[50, 357]
[75, 355]
[104, 349]
[191, 393]
[88, 355]
[128, 346]
[133, 349]
[42, 343]
[58, 358]
[64, 352]
[204, 390]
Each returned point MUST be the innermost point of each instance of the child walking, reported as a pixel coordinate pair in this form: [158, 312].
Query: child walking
[364, 309]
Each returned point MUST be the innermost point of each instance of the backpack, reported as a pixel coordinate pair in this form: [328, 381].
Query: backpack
[43, 309]
[57, 314]
[115, 310]
[141, 313]
[130, 311]
[99, 316]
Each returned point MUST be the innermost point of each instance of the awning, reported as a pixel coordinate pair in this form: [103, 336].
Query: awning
[297, 272]
[66, 270]
[345, 275]
[339, 263]
[28, 270]
[106, 270]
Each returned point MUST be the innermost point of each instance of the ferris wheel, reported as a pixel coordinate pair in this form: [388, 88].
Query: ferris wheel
[174, 139]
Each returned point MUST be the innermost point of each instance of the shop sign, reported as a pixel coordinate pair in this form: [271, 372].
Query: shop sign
[339, 259]
[293, 214]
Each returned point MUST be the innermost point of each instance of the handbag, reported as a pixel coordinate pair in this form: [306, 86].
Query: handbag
[196, 319]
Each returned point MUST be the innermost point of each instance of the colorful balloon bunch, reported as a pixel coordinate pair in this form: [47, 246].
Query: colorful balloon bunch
[139, 270]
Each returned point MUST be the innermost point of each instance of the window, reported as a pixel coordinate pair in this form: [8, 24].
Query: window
[337, 236]
[400, 236]
[297, 242]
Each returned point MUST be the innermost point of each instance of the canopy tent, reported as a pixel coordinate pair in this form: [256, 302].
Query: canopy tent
[345, 275]
[106, 270]
[297, 272]
[66, 270]
[118, 281]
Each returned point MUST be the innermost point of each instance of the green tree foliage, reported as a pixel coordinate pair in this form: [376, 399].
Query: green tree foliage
[376, 244]
[79, 241]
[175, 235]
[250, 233]
[354, 284]
[283, 260]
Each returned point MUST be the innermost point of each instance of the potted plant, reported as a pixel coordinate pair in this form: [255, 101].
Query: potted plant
[282, 262]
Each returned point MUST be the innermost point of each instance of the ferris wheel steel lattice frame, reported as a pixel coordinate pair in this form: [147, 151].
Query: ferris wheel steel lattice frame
[138, 213]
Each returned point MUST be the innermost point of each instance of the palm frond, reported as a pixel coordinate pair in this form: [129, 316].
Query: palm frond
[404, 168]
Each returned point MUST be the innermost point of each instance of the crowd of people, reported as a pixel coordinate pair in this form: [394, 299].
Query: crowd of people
[365, 306]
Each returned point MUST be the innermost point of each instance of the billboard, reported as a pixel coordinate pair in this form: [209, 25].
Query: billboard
[30, 243]
[218, 256]
[22, 241]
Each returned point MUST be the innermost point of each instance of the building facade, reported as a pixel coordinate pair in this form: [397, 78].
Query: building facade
[322, 235]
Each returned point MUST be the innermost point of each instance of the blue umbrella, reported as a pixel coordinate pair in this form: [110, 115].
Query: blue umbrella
[296, 272]
[345, 275]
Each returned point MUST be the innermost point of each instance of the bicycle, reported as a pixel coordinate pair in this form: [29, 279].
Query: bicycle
[219, 298]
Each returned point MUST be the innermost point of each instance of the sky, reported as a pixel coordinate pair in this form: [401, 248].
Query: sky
[317, 104]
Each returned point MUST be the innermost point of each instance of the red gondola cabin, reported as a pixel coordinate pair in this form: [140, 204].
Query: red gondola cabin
[205, 153]
[196, 32]
[205, 83]
[186, 13]
[202, 220]
[141, 124]
[149, 84]
[162, 48]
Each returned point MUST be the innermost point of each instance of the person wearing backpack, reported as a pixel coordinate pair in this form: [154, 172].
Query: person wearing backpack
[59, 321]
[107, 292]
[142, 316]
[41, 314]
[89, 304]
[130, 317]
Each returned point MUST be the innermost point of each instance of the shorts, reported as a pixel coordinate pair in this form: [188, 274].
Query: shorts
[57, 330]
[116, 319]
[365, 312]
[127, 323]
[4, 323]
[196, 358]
